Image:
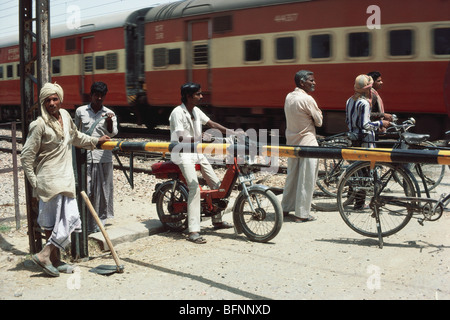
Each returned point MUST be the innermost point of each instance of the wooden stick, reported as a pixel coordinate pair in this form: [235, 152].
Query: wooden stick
[102, 229]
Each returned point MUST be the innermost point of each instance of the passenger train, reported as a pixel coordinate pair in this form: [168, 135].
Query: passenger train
[245, 53]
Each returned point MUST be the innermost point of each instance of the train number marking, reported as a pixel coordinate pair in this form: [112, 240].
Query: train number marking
[290, 17]
[159, 32]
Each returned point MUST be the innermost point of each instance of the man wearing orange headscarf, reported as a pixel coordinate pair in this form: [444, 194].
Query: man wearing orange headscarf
[358, 110]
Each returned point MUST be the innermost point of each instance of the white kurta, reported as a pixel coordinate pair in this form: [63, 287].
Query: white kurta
[47, 162]
[47, 159]
[302, 116]
[180, 121]
[100, 183]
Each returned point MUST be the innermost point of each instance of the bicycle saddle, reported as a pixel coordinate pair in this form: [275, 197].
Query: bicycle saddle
[414, 138]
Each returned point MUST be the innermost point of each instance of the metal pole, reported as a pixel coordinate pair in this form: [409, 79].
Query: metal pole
[43, 41]
[29, 107]
[15, 175]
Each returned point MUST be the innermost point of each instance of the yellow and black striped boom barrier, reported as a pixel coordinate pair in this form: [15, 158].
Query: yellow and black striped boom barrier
[352, 154]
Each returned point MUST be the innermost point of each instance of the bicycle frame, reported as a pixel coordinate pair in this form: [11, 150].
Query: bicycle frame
[431, 209]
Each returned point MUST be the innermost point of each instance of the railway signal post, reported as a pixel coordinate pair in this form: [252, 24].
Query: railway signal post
[30, 85]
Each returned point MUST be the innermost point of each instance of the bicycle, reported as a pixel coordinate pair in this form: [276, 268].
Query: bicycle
[378, 200]
[329, 172]
[432, 173]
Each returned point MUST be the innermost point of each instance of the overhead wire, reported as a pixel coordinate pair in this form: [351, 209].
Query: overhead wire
[59, 18]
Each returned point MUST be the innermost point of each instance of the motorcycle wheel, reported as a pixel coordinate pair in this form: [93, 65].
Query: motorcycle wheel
[264, 223]
[167, 202]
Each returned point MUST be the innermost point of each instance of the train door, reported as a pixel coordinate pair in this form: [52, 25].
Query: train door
[198, 59]
[87, 67]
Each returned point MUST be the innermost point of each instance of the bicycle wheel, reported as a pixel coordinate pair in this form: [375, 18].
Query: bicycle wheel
[171, 206]
[356, 201]
[330, 170]
[264, 222]
[432, 173]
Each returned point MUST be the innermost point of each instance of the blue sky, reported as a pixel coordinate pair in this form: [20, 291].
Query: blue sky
[9, 11]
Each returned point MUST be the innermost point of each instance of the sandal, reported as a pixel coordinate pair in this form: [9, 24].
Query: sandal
[222, 225]
[48, 269]
[196, 238]
[300, 220]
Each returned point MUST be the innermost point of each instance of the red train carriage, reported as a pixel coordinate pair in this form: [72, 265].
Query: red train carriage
[245, 54]
[93, 52]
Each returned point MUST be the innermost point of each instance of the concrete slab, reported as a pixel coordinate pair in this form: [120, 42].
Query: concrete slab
[128, 233]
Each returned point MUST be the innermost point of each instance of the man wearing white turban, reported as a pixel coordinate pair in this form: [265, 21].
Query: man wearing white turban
[47, 162]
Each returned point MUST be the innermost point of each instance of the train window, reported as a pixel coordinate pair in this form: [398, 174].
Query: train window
[401, 42]
[162, 57]
[174, 56]
[441, 45]
[359, 44]
[320, 45]
[285, 47]
[222, 24]
[88, 64]
[56, 66]
[18, 70]
[201, 54]
[1, 72]
[71, 44]
[253, 50]
[159, 57]
[111, 61]
[99, 62]
[9, 71]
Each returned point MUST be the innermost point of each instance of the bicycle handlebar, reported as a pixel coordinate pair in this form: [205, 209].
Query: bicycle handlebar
[405, 126]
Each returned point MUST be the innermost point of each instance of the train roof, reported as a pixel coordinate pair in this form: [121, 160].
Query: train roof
[99, 23]
[86, 25]
[186, 8]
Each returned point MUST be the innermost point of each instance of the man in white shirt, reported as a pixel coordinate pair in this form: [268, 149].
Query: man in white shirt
[97, 120]
[186, 122]
[302, 117]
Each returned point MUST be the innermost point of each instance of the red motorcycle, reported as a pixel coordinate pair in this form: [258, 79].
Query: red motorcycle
[257, 212]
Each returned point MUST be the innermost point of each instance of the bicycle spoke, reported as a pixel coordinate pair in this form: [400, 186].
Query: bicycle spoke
[356, 199]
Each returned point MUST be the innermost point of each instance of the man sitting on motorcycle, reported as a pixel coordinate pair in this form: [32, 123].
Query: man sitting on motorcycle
[186, 122]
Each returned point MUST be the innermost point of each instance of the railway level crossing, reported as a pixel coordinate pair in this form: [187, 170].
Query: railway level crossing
[353, 154]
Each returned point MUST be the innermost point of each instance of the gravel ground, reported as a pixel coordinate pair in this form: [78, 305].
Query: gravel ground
[318, 260]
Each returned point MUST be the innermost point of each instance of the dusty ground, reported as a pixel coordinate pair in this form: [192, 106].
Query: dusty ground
[318, 260]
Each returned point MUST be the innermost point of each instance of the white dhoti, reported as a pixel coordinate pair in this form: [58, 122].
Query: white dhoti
[299, 187]
[60, 214]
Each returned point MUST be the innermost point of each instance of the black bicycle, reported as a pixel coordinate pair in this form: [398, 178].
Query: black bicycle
[396, 137]
[378, 200]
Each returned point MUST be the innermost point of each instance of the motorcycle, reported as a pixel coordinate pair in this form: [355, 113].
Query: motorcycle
[256, 211]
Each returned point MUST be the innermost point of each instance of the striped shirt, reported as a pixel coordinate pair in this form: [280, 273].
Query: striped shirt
[358, 120]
